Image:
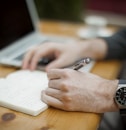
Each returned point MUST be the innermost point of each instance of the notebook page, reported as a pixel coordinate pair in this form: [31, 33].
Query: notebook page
[21, 91]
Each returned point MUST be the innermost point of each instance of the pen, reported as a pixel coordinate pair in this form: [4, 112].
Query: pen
[81, 63]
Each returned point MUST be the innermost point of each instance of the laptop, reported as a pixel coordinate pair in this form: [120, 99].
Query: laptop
[19, 31]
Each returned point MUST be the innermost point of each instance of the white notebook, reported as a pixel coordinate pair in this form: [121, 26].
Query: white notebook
[21, 90]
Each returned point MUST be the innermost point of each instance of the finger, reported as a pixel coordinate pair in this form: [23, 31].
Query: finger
[54, 74]
[46, 52]
[53, 93]
[51, 101]
[54, 84]
[27, 58]
[30, 56]
[35, 59]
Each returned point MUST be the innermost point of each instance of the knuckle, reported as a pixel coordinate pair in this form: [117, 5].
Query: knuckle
[67, 73]
[66, 98]
[32, 48]
[38, 53]
[49, 74]
[50, 44]
[64, 86]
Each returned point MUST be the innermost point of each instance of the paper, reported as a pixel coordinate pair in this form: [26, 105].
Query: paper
[21, 91]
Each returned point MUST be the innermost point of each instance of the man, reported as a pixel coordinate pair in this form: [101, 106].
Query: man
[71, 90]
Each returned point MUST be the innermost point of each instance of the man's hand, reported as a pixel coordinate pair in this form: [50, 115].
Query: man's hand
[63, 54]
[78, 91]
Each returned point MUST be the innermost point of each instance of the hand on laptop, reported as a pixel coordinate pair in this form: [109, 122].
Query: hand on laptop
[63, 54]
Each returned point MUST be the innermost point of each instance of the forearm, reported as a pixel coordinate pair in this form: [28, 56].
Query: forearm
[113, 47]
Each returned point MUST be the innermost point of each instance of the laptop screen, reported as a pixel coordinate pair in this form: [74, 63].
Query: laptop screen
[15, 21]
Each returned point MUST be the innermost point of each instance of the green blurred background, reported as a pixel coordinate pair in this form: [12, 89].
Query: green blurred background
[65, 10]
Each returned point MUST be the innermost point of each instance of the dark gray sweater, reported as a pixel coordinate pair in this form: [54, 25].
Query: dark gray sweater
[116, 45]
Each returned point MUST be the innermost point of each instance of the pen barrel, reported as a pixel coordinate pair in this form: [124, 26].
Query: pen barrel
[81, 63]
[78, 67]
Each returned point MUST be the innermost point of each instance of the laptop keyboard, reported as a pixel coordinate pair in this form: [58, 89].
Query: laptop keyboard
[20, 57]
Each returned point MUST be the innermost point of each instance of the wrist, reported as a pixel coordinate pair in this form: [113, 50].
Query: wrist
[107, 91]
[94, 48]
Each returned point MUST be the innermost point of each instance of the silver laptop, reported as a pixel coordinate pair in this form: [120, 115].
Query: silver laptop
[18, 30]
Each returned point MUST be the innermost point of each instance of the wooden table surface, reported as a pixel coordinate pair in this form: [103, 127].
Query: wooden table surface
[54, 119]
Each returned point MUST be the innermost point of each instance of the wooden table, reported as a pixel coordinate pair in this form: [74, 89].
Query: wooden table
[54, 119]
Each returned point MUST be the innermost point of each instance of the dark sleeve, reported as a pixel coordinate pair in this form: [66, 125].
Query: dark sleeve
[116, 45]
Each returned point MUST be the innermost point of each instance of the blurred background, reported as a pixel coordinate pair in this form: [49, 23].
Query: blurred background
[66, 10]
[77, 10]
[95, 14]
